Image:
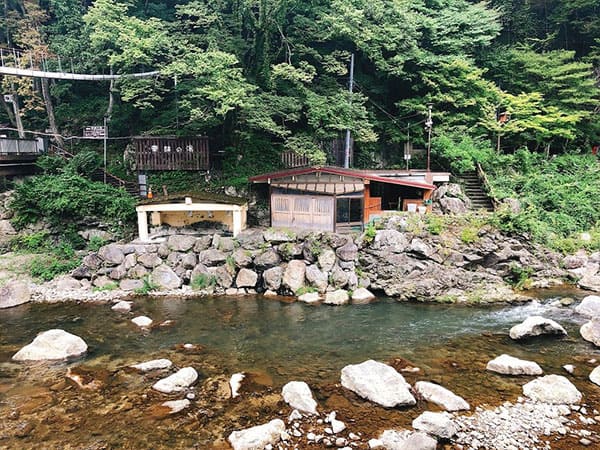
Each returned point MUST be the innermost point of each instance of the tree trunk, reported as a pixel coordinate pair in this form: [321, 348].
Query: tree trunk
[50, 111]
[16, 111]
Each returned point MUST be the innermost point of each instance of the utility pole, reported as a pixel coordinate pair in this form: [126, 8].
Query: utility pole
[350, 87]
[428, 127]
[105, 138]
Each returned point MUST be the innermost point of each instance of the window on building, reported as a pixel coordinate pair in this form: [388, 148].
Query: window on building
[349, 209]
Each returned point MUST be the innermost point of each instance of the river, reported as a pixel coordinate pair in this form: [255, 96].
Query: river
[275, 342]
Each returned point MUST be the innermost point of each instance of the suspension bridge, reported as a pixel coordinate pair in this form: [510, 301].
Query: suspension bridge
[17, 63]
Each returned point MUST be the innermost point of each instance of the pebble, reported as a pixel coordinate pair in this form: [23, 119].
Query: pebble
[585, 442]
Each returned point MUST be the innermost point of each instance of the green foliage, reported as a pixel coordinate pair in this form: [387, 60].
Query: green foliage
[203, 281]
[369, 234]
[107, 287]
[85, 163]
[519, 276]
[68, 198]
[95, 243]
[147, 287]
[47, 267]
[305, 290]
[36, 242]
[435, 224]
[461, 152]
[468, 235]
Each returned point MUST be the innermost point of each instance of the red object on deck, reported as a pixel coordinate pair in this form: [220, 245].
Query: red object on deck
[595, 149]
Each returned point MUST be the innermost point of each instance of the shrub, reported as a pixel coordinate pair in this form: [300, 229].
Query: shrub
[305, 290]
[95, 243]
[370, 233]
[47, 267]
[519, 276]
[468, 235]
[147, 287]
[203, 281]
[107, 287]
[69, 198]
[435, 224]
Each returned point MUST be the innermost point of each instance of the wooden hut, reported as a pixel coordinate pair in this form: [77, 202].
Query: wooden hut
[340, 200]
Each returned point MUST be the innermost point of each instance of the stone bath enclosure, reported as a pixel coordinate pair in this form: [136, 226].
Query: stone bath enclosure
[397, 259]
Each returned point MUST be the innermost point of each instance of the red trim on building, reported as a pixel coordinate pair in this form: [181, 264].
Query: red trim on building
[365, 175]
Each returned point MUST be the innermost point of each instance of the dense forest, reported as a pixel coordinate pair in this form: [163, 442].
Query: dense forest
[509, 82]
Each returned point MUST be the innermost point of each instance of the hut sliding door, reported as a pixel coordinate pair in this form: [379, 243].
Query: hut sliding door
[302, 211]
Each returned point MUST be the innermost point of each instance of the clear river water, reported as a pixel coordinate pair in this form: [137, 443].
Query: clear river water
[273, 341]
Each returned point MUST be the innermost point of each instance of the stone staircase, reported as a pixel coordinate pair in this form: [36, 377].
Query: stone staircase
[473, 188]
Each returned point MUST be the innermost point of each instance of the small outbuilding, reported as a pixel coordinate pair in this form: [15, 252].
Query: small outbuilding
[187, 209]
[340, 200]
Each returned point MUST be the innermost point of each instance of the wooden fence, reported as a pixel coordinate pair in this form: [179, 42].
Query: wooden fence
[171, 153]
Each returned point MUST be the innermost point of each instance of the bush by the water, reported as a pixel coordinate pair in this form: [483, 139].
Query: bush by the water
[53, 256]
[62, 195]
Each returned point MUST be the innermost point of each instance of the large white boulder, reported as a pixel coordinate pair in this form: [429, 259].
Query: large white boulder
[441, 396]
[590, 331]
[595, 376]
[177, 382]
[509, 365]
[337, 297]
[407, 440]
[438, 424]
[257, 438]
[362, 295]
[293, 277]
[165, 278]
[554, 389]
[52, 345]
[378, 383]
[14, 293]
[536, 326]
[589, 306]
[298, 395]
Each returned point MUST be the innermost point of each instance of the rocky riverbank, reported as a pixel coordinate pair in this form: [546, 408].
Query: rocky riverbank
[401, 259]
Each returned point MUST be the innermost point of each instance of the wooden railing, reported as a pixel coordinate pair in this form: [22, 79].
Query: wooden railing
[166, 153]
[487, 186]
[292, 159]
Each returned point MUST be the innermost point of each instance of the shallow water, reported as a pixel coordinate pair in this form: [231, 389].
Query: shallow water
[279, 341]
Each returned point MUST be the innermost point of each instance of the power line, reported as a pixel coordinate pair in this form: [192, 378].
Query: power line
[66, 138]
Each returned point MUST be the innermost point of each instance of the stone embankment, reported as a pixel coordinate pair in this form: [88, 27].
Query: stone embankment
[401, 259]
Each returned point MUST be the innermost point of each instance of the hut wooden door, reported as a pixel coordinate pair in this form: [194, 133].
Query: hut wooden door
[302, 211]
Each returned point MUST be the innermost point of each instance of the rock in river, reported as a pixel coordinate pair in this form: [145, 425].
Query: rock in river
[536, 326]
[257, 438]
[438, 424]
[509, 365]
[595, 376]
[554, 389]
[298, 395]
[14, 293]
[589, 306]
[590, 331]
[52, 345]
[142, 321]
[177, 382]
[407, 440]
[441, 396]
[378, 383]
[155, 364]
